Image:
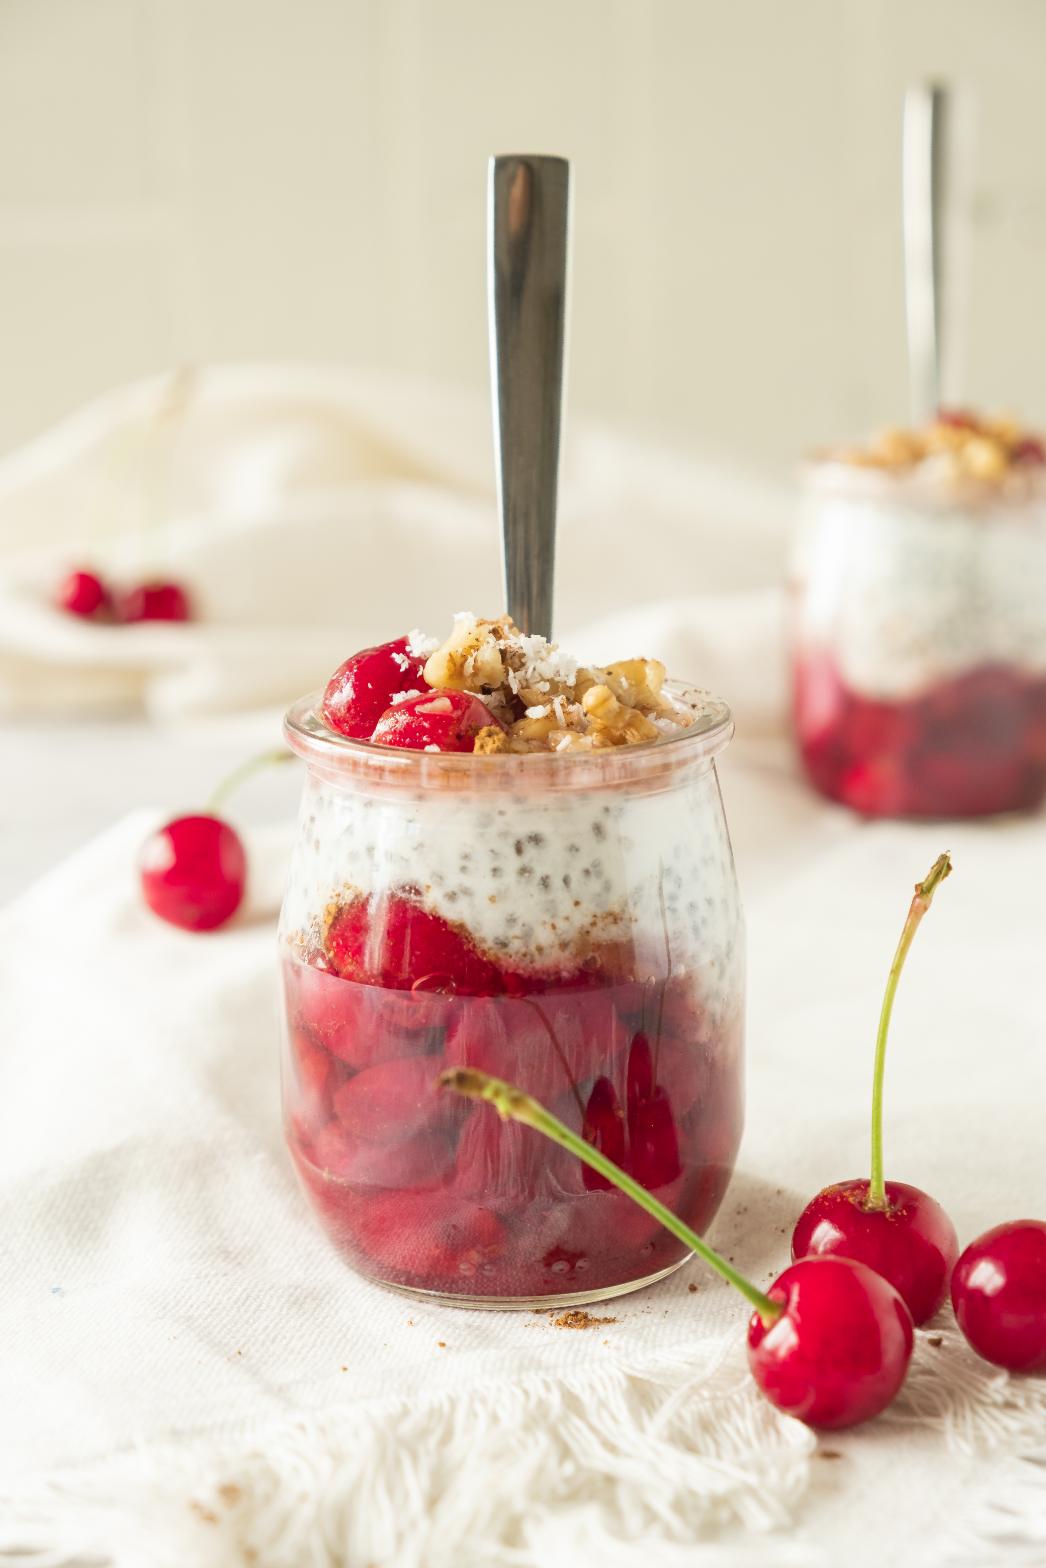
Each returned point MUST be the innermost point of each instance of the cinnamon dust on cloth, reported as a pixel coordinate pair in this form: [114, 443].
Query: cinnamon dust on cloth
[191, 1376]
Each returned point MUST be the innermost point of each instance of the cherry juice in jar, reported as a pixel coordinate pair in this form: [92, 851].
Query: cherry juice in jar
[568, 922]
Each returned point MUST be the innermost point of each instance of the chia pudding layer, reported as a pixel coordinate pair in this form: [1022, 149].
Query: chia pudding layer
[539, 879]
[910, 582]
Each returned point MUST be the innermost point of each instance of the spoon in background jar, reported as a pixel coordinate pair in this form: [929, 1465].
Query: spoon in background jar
[528, 206]
[926, 110]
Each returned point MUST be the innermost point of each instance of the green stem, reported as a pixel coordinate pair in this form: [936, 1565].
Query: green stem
[246, 770]
[924, 891]
[511, 1102]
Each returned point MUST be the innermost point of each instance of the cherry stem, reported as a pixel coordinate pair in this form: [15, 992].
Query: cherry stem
[512, 1103]
[924, 891]
[241, 774]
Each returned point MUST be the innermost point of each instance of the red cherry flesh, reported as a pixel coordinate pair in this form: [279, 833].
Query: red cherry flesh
[361, 689]
[431, 1236]
[999, 1295]
[84, 594]
[156, 601]
[603, 1126]
[392, 1101]
[839, 1351]
[446, 720]
[394, 942]
[912, 1242]
[419, 1162]
[1029, 450]
[193, 872]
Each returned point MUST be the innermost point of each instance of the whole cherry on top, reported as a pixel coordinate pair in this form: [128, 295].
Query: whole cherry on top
[897, 1230]
[828, 1343]
[381, 694]
[193, 869]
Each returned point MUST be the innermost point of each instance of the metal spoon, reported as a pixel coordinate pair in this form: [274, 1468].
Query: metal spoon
[925, 116]
[528, 205]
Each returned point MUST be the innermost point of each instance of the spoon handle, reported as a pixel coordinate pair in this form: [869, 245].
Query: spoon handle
[528, 207]
[924, 170]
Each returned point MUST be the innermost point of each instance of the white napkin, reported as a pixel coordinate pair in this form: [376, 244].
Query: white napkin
[311, 511]
[191, 1376]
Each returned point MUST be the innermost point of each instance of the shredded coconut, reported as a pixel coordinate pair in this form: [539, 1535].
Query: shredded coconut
[403, 696]
[420, 645]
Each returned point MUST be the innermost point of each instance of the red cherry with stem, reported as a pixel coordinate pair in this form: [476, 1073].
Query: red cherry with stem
[156, 601]
[193, 869]
[999, 1295]
[828, 1343]
[899, 1231]
[362, 688]
[440, 720]
[193, 872]
[84, 594]
[839, 1351]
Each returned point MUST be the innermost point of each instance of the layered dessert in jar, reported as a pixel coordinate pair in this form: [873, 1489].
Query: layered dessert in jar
[920, 621]
[510, 861]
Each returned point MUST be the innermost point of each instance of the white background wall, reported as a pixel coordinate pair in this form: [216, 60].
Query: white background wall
[193, 179]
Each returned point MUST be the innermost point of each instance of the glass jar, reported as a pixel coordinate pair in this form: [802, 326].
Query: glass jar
[570, 923]
[919, 621]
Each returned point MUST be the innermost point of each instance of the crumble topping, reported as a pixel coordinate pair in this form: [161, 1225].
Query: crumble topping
[952, 448]
[545, 698]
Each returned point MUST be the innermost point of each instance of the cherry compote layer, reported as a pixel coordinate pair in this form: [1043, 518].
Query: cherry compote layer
[970, 745]
[420, 1189]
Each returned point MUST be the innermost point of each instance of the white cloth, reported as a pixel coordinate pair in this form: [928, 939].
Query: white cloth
[188, 1375]
[311, 510]
[191, 1376]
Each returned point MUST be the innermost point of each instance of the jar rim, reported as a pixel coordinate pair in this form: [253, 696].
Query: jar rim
[926, 490]
[312, 739]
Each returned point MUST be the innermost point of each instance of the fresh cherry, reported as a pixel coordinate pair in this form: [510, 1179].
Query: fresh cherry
[361, 689]
[999, 1295]
[440, 720]
[193, 872]
[156, 601]
[830, 1341]
[897, 1230]
[911, 1241]
[839, 1350]
[84, 594]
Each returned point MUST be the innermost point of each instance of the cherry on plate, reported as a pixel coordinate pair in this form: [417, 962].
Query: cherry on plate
[156, 601]
[193, 872]
[84, 594]
[999, 1295]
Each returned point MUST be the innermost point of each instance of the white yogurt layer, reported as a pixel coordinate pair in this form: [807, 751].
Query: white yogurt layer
[905, 595]
[533, 877]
